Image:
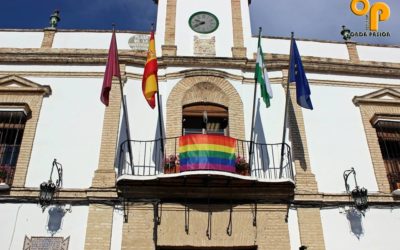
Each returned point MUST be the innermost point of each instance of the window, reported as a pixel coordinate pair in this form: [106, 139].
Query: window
[388, 132]
[205, 119]
[12, 124]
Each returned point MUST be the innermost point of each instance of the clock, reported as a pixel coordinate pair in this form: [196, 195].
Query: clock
[203, 22]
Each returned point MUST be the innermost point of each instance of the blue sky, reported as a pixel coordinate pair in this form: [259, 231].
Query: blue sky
[311, 19]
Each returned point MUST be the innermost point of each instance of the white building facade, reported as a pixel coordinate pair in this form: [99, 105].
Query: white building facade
[50, 84]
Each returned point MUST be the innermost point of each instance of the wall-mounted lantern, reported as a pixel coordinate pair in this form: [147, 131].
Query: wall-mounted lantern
[48, 189]
[359, 195]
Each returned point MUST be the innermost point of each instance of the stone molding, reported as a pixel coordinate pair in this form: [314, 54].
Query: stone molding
[382, 102]
[198, 72]
[274, 61]
[176, 101]
[17, 90]
[93, 195]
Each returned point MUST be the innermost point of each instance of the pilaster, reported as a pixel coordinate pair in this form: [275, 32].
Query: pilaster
[238, 49]
[169, 47]
[48, 37]
[352, 50]
[105, 174]
[310, 227]
[305, 179]
[99, 227]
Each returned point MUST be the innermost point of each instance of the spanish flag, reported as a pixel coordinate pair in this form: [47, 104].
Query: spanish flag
[149, 81]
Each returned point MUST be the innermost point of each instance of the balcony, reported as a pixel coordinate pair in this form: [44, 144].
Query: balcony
[161, 168]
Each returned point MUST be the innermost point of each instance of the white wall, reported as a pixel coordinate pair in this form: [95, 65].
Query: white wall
[142, 118]
[18, 39]
[379, 54]
[271, 118]
[336, 138]
[20, 220]
[89, 40]
[306, 48]
[52, 68]
[69, 129]
[380, 227]
[184, 35]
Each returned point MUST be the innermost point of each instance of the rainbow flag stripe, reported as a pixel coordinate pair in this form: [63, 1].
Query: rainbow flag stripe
[207, 152]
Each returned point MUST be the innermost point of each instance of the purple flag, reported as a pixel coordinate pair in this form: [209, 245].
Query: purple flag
[112, 69]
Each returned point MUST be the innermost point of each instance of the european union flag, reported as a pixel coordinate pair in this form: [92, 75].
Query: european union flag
[297, 74]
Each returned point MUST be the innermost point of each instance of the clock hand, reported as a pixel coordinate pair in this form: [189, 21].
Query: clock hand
[198, 24]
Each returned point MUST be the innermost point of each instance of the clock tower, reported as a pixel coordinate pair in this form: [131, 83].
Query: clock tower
[203, 28]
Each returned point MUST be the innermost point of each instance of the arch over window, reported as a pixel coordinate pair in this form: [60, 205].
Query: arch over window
[204, 90]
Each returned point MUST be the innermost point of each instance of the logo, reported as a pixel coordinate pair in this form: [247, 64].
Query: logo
[377, 12]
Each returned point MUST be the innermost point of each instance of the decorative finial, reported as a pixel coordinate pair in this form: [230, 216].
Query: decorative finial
[345, 33]
[54, 19]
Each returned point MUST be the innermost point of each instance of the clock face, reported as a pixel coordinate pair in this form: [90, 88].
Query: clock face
[203, 22]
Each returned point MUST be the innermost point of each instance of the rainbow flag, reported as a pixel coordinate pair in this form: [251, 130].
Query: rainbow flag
[207, 152]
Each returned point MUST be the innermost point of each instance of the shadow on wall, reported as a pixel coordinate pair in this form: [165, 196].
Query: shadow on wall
[355, 221]
[56, 215]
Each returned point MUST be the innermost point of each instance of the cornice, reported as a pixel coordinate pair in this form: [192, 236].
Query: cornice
[94, 195]
[136, 58]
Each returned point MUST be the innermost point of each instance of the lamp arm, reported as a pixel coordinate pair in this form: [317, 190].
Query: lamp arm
[346, 175]
[58, 166]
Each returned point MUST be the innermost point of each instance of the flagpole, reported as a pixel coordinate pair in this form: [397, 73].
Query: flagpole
[286, 107]
[254, 109]
[159, 109]
[125, 110]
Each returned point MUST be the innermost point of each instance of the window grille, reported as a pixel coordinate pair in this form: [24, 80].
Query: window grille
[389, 141]
[12, 124]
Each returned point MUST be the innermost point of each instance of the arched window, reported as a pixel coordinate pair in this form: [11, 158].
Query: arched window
[205, 118]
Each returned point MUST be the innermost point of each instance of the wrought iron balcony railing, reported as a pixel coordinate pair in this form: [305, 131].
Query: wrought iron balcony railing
[161, 157]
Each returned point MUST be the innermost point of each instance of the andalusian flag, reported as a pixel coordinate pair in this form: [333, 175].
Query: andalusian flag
[149, 81]
[261, 75]
[207, 152]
